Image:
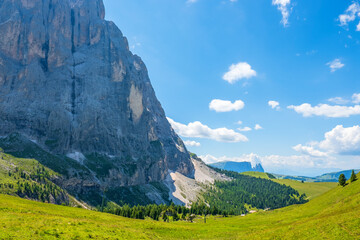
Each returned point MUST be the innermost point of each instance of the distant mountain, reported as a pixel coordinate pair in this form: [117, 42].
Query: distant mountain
[238, 166]
[327, 177]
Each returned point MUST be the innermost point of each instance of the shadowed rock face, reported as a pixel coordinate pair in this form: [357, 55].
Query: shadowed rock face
[238, 166]
[69, 82]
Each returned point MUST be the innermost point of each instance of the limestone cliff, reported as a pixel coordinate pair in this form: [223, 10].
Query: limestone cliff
[69, 83]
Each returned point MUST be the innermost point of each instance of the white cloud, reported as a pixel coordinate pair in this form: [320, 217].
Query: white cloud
[298, 164]
[335, 65]
[350, 15]
[356, 98]
[258, 127]
[192, 144]
[226, 106]
[342, 140]
[358, 27]
[284, 7]
[245, 129]
[338, 100]
[198, 130]
[326, 110]
[274, 105]
[308, 150]
[239, 122]
[191, 1]
[239, 71]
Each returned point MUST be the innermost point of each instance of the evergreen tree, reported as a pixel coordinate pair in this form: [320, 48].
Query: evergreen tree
[353, 177]
[342, 180]
[165, 217]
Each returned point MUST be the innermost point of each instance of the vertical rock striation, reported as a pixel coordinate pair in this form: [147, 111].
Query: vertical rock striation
[69, 82]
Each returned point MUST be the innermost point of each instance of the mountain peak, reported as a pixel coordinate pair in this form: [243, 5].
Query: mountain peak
[69, 82]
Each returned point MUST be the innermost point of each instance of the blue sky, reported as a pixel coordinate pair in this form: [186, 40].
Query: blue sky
[302, 55]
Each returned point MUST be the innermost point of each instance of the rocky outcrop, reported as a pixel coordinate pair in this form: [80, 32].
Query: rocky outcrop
[69, 83]
[185, 190]
[239, 166]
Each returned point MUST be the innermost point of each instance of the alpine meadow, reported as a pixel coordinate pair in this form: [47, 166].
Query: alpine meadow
[183, 119]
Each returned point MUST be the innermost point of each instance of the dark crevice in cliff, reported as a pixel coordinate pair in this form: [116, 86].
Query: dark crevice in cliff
[45, 48]
[72, 30]
[73, 79]
[46, 45]
[73, 74]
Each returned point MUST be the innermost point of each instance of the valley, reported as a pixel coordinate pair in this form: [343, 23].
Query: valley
[87, 151]
[332, 215]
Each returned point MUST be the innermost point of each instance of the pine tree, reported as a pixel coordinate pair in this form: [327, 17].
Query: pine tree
[353, 177]
[342, 180]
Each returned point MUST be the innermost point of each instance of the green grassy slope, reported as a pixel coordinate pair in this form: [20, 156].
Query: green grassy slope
[333, 215]
[257, 174]
[311, 189]
[29, 179]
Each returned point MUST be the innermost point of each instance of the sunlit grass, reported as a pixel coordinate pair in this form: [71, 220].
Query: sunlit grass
[333, 215]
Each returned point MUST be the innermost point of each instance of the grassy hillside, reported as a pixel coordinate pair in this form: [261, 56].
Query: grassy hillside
[333, 215]
[29, 179]
[311, 189]
[257, 174]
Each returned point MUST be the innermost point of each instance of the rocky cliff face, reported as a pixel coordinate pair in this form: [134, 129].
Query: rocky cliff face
[69, 83]
[239, 166]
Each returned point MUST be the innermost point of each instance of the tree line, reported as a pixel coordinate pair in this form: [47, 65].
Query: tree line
[35, 184]
[163, 212]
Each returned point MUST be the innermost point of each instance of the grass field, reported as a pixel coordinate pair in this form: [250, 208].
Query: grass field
[311, 189]
[333, 215]
[257, 174]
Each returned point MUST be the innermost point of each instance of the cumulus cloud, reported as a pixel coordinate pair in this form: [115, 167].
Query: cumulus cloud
[258, 127]
[226, 106]
[274, 105]
[308, 150]
[245, 129]
[338, 100]
[284, 7]
[335, 65]
[239, 71]
[356, 98]
[199, 130]
[351, 13]
[341, 140]
[326, 110]
[192, 143]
